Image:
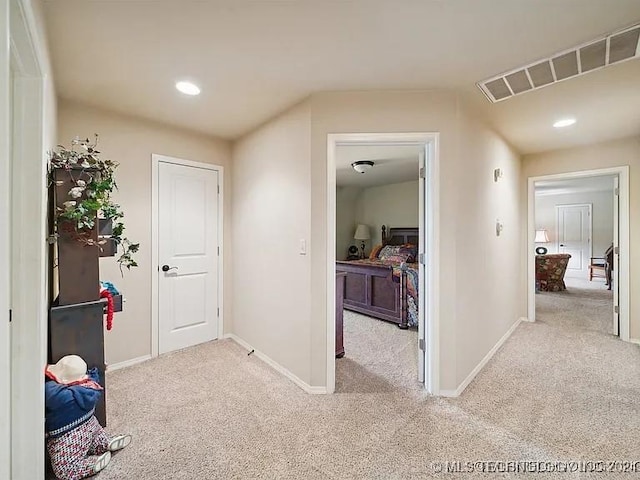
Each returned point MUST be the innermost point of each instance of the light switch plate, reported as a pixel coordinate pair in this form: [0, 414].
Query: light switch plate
[303, 247]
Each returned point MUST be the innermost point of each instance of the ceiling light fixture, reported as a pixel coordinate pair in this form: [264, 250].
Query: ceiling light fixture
[188, 88]
[362, 166]
[565, 122]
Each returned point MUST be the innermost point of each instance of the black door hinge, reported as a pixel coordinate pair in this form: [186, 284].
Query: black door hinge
[10, 315]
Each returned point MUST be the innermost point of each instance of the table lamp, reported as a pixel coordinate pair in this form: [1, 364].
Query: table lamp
[541, 237]
[362, 234]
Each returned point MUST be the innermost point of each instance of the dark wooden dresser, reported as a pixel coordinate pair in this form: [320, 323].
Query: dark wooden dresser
[340, 282]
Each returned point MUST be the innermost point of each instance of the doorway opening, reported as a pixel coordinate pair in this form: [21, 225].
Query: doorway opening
[382, 317]
[578, 251]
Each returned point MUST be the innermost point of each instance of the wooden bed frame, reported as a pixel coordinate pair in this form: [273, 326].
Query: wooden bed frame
[372, 289]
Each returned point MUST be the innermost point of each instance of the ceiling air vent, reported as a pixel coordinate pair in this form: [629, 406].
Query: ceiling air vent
[588, 57]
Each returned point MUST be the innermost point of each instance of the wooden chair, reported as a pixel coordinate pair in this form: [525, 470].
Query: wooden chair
[601, 267]
[597, 268]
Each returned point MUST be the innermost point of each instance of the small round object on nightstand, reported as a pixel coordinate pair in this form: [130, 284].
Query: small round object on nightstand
[354, 253]
[541, 251]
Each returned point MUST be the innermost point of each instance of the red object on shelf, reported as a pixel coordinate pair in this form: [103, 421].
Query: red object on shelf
[107, 294]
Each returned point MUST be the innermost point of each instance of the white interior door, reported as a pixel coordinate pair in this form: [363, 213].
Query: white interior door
[421, 270]
[574, 237]
[615, 274]
[188, 253]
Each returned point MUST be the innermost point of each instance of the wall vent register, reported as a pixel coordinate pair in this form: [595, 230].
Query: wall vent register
[591, 56]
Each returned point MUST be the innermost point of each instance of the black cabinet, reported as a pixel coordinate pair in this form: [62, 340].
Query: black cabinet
[77, 330]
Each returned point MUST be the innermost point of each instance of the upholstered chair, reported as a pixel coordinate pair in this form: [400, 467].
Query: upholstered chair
[550, 271]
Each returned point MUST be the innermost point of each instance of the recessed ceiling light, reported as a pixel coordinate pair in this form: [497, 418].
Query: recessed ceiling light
[188, 88]
[565, 122]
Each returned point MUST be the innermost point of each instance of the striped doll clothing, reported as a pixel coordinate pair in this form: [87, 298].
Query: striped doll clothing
[74, 454]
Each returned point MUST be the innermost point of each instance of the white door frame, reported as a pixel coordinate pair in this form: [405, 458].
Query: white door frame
[616, 256]
[24, 342]
[432, 247]
[623, 175]
[5, 261]
[589, 225]
[22, 397]
[155, 266]
[422, 200]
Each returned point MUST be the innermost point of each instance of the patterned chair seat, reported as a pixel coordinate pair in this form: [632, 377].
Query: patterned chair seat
[550, 271]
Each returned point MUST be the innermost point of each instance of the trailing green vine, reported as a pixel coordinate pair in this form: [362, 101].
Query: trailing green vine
[93, 182]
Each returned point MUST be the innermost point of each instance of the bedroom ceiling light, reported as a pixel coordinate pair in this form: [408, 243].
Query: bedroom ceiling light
[188, 88]
[565, 122]
[362, 166]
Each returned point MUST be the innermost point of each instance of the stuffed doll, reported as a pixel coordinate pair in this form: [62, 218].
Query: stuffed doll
[77, 444]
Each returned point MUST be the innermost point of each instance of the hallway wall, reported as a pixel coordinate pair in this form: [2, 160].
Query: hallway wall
[130, 142]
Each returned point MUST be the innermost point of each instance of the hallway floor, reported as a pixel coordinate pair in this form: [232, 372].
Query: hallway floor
[558, 390]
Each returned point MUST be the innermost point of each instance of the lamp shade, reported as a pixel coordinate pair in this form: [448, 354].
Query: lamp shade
[362, 233]
[541, 236]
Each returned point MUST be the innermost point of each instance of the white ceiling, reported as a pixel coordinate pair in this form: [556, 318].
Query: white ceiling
[255, 59]
[392, 164]
[577, 185]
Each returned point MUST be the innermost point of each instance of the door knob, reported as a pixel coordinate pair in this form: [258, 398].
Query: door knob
[166, 268]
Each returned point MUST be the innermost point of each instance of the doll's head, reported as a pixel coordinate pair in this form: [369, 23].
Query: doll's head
[69, 369]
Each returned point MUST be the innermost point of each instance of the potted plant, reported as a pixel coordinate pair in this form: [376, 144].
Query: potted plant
[84, 183]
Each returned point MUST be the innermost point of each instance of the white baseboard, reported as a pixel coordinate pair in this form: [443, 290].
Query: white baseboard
[525, 319]
[458, 391]
[127, 363]
[635, 340]
[276, 366]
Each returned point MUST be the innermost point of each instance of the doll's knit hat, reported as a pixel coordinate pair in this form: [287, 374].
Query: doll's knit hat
[69, 369]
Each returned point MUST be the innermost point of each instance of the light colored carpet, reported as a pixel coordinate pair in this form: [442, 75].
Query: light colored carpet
[379, 357]
[584, 305]
[212, 412]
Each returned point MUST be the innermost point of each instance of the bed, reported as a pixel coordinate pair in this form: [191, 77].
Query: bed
[384, 289]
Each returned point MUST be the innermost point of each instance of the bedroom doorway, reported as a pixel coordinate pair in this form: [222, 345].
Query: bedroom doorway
[569, 214]
[381, 322]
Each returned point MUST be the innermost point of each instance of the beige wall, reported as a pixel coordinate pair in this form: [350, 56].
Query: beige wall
[360, 112]
[472, 260]
[602, 155]
[131, 142]
[487, 296]
[394, 205]
[280, 197]
[601, 217]
[271, 215]
[346, 219]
